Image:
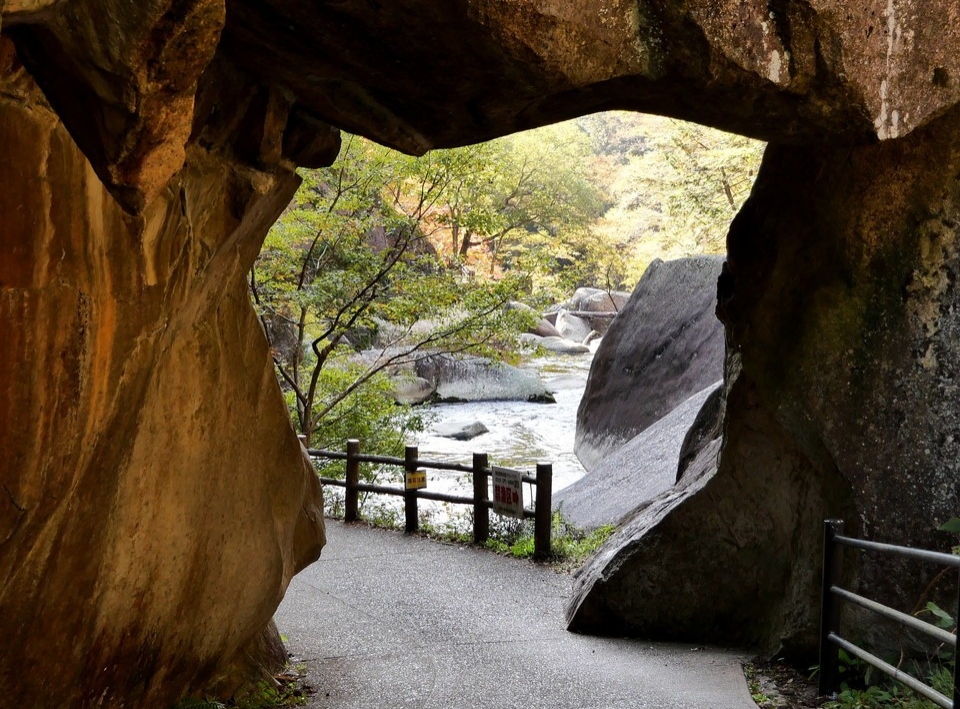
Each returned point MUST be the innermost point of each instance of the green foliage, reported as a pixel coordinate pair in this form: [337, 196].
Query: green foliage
[350, 260]
[367, 413]
[863, 687]
[673, 187]
[287, 691]
[952, 526]
[943, 619]
[570, 545]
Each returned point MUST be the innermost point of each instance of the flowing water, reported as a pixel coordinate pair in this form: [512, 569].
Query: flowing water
[521, 433]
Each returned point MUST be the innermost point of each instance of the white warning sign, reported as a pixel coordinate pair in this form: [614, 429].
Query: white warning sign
[507, 492]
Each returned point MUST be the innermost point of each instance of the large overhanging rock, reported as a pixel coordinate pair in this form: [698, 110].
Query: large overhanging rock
[155, 500]
[821, 70]
[842, 307]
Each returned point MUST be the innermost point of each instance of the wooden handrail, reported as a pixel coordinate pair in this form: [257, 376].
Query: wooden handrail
[542, 512]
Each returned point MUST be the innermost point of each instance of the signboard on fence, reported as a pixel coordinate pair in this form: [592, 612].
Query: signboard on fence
[415, 480]
[507, 492]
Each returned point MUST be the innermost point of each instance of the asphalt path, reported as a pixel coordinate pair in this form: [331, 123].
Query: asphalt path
[386, 620]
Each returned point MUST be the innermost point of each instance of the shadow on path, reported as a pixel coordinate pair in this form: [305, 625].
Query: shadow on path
[384, 620]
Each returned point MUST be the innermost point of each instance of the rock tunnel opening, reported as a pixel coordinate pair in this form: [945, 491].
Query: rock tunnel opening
[147, 155]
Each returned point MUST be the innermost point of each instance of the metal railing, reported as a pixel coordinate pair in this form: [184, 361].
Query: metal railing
[480, 500]
[832, 596]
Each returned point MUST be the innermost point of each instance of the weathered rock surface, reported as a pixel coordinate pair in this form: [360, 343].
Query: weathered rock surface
[638, 471]
[664, 346]
[147, 463]
[596, 300]
[457, 378]
[560, 345]
[571, 327]
[411, 390]
[842, 306]
[147, 531]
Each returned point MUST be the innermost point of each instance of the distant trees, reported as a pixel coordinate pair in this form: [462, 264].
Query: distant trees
[674, 187]
[350, 263]
[396, 256]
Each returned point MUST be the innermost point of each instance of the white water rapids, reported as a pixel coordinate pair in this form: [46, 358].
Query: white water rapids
[521, 434]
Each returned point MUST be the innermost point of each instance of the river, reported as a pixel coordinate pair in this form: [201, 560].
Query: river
[521, 433]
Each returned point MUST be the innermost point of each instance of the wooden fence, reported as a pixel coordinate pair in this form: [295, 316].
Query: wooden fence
[480, 500]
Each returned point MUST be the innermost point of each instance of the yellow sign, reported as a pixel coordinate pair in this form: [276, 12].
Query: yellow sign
[416, 480]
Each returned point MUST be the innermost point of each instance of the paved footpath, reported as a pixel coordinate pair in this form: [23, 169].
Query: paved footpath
[387, 621]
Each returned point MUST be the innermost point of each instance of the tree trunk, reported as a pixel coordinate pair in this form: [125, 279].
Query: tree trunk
[465, 244]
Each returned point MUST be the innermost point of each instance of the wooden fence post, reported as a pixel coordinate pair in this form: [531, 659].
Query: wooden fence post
[481, 512]
[410, 456]
[544, 512]
[351, 496]
[830, 609]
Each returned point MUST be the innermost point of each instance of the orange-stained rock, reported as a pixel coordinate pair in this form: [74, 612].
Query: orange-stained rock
[155, 501]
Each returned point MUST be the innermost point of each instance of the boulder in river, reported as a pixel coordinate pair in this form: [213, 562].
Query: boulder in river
[572, 327]
[460, 431]
[479, 379]
[638, 471]
[411, 390]
[559, 345]
[664, 346]
[597, 300]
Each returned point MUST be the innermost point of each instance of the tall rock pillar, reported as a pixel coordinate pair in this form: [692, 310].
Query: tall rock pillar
[842, 311]
[154, 499]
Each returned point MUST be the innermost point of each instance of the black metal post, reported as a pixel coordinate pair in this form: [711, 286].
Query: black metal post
[830, 609]
[412, 517]
[351, 496]
[956, 664]
[544, 512]
[481, 494]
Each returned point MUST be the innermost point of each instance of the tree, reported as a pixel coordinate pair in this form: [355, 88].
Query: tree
[526, 188]
[351, 255]
[674, 186]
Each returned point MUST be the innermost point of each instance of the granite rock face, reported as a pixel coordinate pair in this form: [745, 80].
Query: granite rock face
[148, 466]
[840, 301]
[636, 472]
[664, 346]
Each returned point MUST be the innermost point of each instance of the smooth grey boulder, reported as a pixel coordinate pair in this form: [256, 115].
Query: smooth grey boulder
[460, 431]
[572, 327]
[543, 327]
[411, 390]
[664, 346]
[638, 471]
[478, 379]
[561, 345]
[597, 300]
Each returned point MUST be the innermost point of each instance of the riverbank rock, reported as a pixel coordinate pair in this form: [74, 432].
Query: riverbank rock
[638, 471]
[664, 346]
[572, 327]
[596, 300]
[457, 378]
[460, 431]
[411, 390]
[559, 345]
